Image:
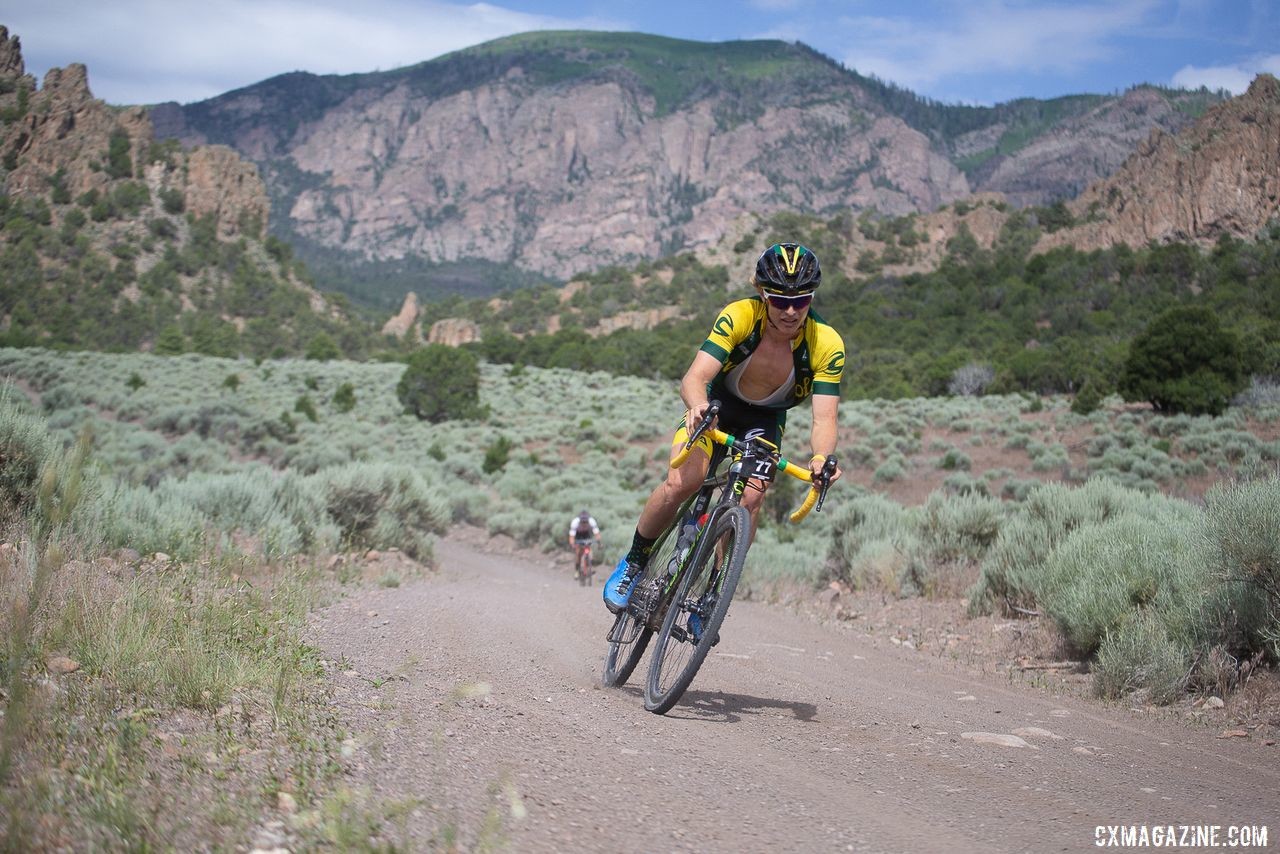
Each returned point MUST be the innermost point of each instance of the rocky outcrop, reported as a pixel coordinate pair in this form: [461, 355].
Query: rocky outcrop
[1060, 162]
[99, 174]
[1220, 176]
[12, 66]
[222, 184]
[453, 331]
[647, 319]
[66, 132]
[405, 320]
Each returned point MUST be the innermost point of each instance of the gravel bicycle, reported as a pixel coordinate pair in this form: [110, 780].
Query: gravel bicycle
[684, 592]
[582, 568]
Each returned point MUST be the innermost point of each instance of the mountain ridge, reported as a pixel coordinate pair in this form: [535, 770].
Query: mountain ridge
[557, 153]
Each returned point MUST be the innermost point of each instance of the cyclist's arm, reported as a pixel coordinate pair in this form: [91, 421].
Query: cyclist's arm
[825, 425]
[693, 388]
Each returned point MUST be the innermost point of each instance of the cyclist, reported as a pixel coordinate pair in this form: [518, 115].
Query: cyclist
[582, 530]
[764, 355]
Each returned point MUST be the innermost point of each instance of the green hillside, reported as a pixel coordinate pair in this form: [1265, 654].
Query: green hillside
[1044, 323]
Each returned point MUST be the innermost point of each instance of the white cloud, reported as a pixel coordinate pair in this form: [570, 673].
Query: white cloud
[185, 50]
[1234, 78]
[992, 36]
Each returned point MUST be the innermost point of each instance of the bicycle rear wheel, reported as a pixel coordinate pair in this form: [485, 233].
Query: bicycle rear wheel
[704, 593]
[632, 637]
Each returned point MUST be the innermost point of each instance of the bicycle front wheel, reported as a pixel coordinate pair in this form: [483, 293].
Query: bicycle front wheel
[692, 624]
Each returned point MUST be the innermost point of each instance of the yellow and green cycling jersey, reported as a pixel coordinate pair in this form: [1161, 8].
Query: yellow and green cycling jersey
[817, 355]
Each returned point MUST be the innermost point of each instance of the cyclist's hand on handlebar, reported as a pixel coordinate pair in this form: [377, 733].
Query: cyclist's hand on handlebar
[817, 466]
[694, 417]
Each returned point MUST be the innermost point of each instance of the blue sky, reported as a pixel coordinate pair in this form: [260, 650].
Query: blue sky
[978, 52]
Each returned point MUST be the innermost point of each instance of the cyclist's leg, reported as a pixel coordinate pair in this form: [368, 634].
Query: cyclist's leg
[660, 510]
[659, 513]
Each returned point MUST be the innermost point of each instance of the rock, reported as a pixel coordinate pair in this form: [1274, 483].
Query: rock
[406, 319]
[1214, 703]
[453, 331]
[286, 803]
[1036, 732]
[60, 664]
[1219, 176]
[997, 738]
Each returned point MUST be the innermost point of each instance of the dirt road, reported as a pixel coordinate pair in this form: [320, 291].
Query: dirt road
[475, 696]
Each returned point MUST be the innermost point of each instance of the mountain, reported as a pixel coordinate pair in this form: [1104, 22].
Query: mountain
[1221, 176]
[110, 239]
[556, 153]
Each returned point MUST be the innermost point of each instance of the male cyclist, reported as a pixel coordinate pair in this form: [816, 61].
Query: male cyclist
[764, 355]
[582, 530]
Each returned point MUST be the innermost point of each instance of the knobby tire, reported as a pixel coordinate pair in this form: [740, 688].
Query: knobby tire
[622, 658]
[718, 563]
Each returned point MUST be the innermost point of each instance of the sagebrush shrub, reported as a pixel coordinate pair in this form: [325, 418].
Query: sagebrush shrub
[1139, 655]
[1242, 529]
[1102, 572]
[381, 505]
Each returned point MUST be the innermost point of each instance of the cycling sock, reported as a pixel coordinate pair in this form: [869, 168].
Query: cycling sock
[640, 548]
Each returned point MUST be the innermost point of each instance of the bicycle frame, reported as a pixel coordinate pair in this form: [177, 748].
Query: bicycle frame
[749, 457]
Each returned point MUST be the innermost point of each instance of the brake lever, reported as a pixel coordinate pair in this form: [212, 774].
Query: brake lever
[828, 471]
[713, 410]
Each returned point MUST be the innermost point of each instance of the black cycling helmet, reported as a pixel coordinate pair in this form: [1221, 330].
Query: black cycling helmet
[787, 268]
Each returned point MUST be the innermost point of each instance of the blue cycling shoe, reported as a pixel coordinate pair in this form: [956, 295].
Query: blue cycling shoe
[617, 590]
[696, 626]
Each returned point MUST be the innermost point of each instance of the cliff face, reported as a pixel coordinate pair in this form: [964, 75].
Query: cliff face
[1219, 176]
[1082, 149]
[575, 154]
[129, 227]
[64, 131]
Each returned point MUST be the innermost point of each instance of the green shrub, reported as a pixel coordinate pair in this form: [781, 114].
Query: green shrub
[119, 163]
[955, 459]
[871, 537]
[1242, 528]
[497, 455]
[384, 505]
[1013, 569]
[1139, 655]
[960, 526]
[441, 383]
[304, 406]
[1103, 572]
[25, 445]
[1088, 399]
[893, 468]
[322, 348]
[344, 398]
[1185, 362]
[173, 200]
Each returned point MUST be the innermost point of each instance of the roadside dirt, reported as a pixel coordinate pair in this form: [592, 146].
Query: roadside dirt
[820, 725]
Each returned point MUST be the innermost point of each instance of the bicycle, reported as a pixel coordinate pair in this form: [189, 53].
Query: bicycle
[582, 568]
[683, 595]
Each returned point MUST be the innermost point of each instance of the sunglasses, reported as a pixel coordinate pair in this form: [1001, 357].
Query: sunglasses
[782, 302]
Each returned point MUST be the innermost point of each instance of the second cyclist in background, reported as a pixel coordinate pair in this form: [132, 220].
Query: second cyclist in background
[583, 531]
